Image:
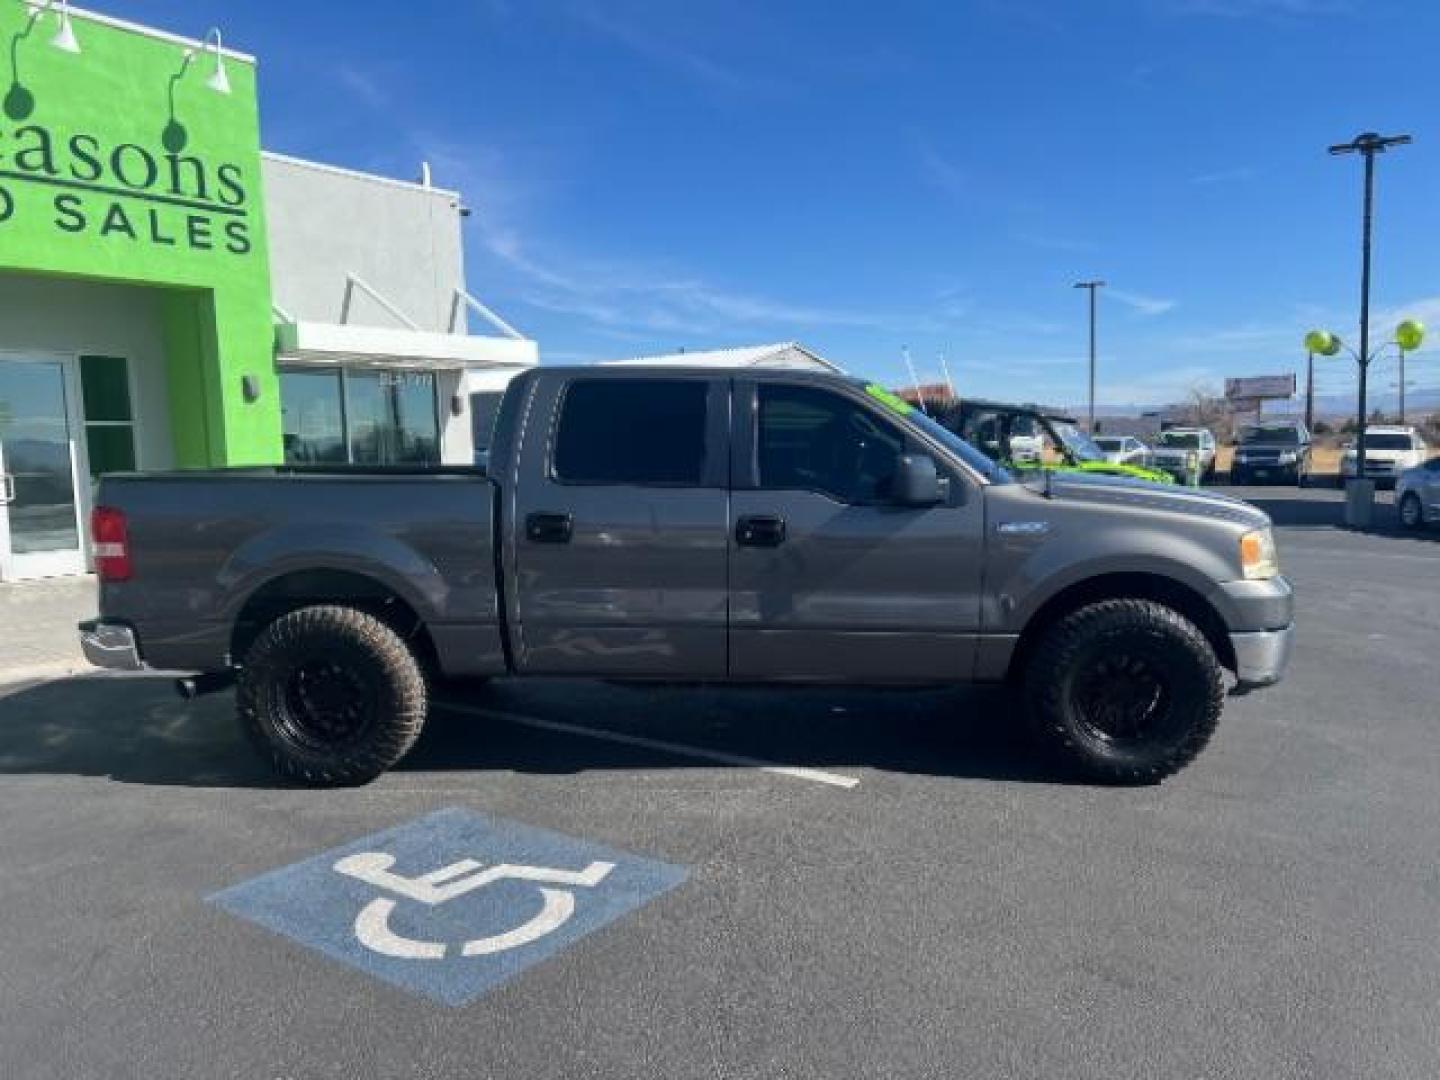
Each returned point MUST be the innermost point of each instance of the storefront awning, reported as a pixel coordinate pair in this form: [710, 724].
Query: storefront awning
[318, 343]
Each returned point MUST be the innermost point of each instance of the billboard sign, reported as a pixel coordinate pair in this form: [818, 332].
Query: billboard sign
[1260, 387]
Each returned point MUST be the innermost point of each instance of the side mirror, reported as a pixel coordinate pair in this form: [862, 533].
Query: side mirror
[917, 481]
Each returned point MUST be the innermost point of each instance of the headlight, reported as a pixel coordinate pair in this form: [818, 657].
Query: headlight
[1257, 555]
[1288, 457]
[1241, 457]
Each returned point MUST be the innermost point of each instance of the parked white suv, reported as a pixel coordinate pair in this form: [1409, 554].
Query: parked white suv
[1417, 494]
[1173, 449]
[1390, 449]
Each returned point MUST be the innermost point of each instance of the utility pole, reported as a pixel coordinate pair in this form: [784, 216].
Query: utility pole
[1367, 145]
[1091, 286]
[1309, 391]
[1402, 384]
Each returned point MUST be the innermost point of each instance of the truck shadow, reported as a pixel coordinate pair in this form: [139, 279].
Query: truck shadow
[137, 731]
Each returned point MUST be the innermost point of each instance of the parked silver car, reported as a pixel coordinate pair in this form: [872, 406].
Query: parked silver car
[1123, 449]
[1417, 494]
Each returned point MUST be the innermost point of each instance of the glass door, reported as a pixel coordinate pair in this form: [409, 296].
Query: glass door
[40, 533]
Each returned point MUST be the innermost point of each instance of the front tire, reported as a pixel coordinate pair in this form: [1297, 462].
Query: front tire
[331, 696]
[1124, 691]
[1412, 514]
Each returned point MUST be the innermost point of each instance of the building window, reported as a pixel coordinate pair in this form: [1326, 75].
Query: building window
[360, 417]
[313, 417]
[109, 414]
[632, 431]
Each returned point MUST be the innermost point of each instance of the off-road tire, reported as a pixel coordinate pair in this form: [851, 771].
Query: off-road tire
[372, 664]
[1177, 657]
[1412, 513]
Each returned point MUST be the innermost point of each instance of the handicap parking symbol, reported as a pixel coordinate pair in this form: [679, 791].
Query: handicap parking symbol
[452, 904]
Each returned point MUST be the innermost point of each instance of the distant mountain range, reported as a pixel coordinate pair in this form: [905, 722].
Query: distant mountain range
[1418, 403]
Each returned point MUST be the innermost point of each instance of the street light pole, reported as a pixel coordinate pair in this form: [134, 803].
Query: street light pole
[1367, 145]
[1310, 391]
[1091, 286]
[1402, 384]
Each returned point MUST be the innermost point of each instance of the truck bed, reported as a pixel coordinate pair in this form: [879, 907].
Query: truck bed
[212, 547]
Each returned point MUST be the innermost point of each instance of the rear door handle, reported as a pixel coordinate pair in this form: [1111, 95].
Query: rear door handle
[548, 528]
[7, 489]
[760, 530]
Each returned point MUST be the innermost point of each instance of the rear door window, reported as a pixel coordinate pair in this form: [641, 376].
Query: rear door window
[632, 431]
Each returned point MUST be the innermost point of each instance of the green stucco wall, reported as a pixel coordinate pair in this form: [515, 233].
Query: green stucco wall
[113, 168]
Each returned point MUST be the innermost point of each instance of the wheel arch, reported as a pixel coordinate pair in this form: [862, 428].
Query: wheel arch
[1125, 585]
[292, 590]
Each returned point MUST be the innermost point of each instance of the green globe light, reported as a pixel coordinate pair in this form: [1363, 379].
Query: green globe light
[1409, 334]
[1322, 343]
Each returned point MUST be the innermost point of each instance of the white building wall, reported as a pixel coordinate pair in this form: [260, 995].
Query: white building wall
[73, 318]
[400, 238]
[403, 240]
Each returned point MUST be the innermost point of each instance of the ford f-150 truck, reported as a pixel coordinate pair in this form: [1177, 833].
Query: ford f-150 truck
[692, 525]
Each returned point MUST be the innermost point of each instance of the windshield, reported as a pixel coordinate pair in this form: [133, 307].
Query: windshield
[987, 468]
[1386, 441]
[1109, 443]
[1272, 436]
[937, 432]
[1183, 440]
[1078, 443]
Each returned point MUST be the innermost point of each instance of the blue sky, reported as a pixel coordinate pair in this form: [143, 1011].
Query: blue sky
[863, 177]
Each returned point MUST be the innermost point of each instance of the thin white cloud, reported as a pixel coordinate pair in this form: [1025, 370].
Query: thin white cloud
[362, 86]
[1224, 176]
[939, 171]
[1146, 305]
[1048, 241]
[667, 52]
[1262, 9]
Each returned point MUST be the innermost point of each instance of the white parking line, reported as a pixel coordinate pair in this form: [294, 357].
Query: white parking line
[799, 772]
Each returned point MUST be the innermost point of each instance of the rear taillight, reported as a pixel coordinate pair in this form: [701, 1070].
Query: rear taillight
[110, 544]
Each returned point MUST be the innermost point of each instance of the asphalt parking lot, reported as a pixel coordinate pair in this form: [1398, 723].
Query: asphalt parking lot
[862, 883]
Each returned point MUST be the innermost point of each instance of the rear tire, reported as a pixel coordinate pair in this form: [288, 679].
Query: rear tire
[1124, 691]
[331, 696]
[1412, 514]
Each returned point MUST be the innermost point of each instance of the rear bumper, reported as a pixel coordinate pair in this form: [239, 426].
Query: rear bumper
[110, 645]
[1262, 656]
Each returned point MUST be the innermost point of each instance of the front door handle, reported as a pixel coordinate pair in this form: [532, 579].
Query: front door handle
[7, 489]
[760, 530]
[548, 528]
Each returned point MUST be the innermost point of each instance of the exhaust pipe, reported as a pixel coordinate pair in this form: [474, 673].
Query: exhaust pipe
[191, 687]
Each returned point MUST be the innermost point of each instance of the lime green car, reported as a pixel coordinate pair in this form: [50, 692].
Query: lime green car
[1016, 437]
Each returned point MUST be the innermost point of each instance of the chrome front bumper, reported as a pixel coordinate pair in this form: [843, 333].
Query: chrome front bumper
[1261, 657]
[110, 645]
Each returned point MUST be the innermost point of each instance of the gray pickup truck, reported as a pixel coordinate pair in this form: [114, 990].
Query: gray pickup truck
[692, 525]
